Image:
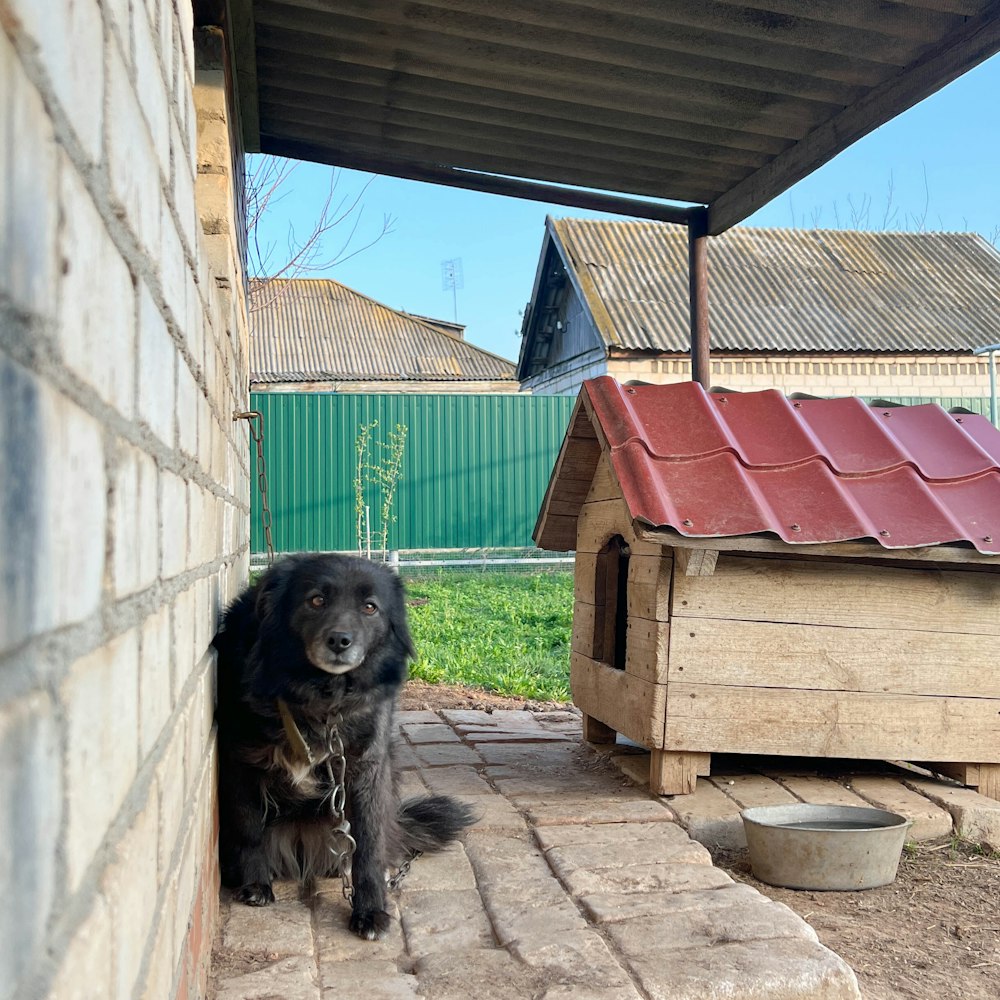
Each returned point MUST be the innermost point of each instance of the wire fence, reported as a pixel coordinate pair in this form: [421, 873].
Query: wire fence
[413, 562]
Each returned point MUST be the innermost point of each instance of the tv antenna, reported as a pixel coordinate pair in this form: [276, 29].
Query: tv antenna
[451, 277]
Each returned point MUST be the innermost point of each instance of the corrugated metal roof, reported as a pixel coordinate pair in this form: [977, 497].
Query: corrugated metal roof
[809, 471]
[316, 329]
[696, 101]
[816, 290]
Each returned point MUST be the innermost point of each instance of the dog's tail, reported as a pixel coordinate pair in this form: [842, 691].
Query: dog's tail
[433, 821]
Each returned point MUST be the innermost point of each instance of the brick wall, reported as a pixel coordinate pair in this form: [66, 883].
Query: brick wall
[124, 492]
[834, 375]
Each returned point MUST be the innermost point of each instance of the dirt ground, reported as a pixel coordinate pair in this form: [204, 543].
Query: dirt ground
[933, 934]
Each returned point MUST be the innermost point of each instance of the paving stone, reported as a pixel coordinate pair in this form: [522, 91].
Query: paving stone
[373, 980]
[447, 869]
[462, 780]
[596, 809]
[492, 974]
[334, 939]
[614, 907]
[435, 754]
[572, 957]
[818, 790]
[533, 735]
[709, 917]
[555, 757]
[413, 716]
[976, 817]
[281, 929]
[499, 859]
[496, 814]
[430, 733]
[410, 784]
[635, 766]
[610, 833]
[581, 991]
[564, 861]
[790, 969]
[468, 717]
[674, 877]
[710, 816]
[291, 979]
[527, 909]
[928, 820]
[444, 921]
[751, 790]
[404, 758]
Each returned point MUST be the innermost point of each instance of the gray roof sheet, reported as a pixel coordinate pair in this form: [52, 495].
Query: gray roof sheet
[788, 290]
[316, 329]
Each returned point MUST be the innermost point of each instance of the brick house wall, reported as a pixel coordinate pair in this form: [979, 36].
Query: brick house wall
[124, 496]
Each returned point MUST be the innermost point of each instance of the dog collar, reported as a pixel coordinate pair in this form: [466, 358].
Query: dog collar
[297, 742]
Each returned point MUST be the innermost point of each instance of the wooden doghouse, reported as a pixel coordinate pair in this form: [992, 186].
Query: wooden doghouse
[756, 574]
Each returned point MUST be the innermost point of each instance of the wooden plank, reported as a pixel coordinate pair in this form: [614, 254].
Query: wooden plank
[599, 522]
[585, 578]
[628, 704]
[647, 646]
[723, 719]
[604, 485]
[829, 658]
[828, 593]
[649, 586]
[585, 622]
[696, 562]
[989, 780]
[676, 773]
[594, 731]
[851, 551]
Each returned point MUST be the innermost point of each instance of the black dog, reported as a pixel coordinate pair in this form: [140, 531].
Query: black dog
[312, 659]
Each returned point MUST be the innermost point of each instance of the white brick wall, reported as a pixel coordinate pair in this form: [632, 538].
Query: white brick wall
[124, 496]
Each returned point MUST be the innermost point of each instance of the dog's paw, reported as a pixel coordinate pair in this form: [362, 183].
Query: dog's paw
[255, 894]
[371, 925]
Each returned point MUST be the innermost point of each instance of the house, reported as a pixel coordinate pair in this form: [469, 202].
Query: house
[317, 335]
[813, 577]
[822, 311]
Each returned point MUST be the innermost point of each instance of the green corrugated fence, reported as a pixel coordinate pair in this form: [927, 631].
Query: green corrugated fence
[475, 467]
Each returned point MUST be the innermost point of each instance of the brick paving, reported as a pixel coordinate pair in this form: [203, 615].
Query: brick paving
[575, 883]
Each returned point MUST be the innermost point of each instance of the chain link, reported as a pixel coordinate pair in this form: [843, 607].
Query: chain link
[256, 421]
[343, 845]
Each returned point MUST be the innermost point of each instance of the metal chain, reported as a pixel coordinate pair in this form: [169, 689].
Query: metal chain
[343, 845]
[257, 433]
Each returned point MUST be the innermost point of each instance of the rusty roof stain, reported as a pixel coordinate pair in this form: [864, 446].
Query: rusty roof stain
[316, 329]
[787, 290]
[724, 464]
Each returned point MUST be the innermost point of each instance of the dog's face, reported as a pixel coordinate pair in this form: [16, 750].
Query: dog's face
[341, 608]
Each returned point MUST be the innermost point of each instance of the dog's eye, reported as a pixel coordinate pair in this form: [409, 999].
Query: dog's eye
[369, 607]
[316, 601]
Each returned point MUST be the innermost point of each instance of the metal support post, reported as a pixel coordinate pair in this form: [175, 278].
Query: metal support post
[991, 351]
[701, 365]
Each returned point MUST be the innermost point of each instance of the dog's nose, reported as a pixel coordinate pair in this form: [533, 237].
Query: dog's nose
[339, 640]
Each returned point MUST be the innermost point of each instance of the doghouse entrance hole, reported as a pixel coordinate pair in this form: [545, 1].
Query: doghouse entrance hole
[611, 614]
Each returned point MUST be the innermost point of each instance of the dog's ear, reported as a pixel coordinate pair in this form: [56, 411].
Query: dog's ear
[397, 621]
[270, 590]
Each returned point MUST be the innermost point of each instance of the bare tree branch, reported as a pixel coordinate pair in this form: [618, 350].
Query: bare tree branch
[267, 183]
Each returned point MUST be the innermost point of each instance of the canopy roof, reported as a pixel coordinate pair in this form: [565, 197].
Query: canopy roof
[708, 103]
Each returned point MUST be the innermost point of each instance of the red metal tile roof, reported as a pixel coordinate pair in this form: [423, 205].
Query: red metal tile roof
[811, 470]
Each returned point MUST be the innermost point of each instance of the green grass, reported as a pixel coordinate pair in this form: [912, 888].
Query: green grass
[505, 632]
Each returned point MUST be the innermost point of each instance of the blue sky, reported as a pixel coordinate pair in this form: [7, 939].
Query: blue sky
[941, 158]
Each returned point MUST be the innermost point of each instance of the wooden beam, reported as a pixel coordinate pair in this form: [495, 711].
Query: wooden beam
[871, 551]
[243, 46]
[976, 40]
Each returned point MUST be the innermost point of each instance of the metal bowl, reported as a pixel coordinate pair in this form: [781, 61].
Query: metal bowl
[806, 846]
